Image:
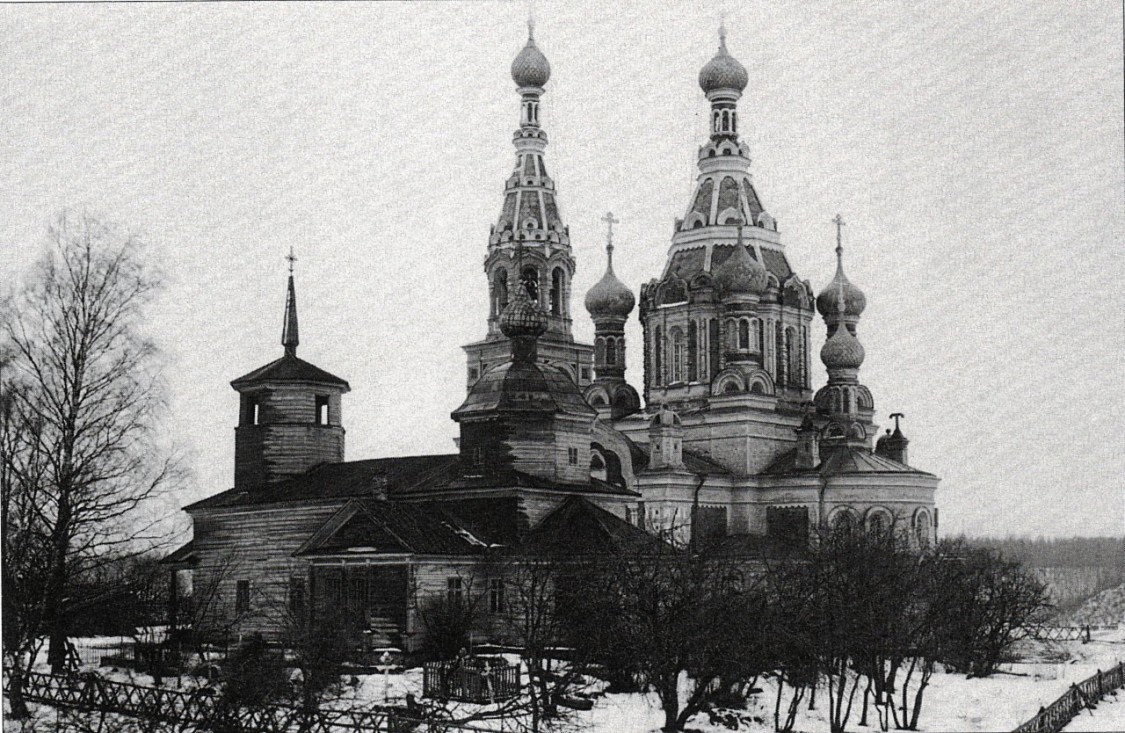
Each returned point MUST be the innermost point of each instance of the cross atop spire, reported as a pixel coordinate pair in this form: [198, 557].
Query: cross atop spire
[723, 31]
[289, 335]
[610, 220]
[896, 416]
[839, 222]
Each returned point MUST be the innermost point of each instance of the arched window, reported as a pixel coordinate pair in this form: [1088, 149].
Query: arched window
[876, 523]
[599, 351]
[693, 351]
[657, 356]
[611, 351]
[501, 290]
[597, 467]
[755, 337]
[843, 523]
[780, 353]
[744, 335]
[793, 351]
[714, 344]
[557, 291]
[530, 279]
[761, 338]
[922, 528]
[676, 336]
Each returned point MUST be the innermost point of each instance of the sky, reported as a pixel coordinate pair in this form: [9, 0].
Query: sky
[976, 151]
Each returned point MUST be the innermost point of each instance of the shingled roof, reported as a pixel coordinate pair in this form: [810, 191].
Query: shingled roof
[693, 462]
[289, 369]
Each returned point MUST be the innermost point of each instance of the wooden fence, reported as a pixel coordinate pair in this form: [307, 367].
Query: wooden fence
[204, 710]
[478, 683]
[1086, 693]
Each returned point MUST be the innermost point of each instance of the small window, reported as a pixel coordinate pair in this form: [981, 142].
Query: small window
[572, 456]
[473, 374]
[297, 599]
[585, 374]
[477, 455]
[250, 410]
[496, 595]
[321, 410]
[242, 597]
[454, 591]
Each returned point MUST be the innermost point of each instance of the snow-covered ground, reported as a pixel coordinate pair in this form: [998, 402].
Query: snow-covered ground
[952, 702]
[1109, 715]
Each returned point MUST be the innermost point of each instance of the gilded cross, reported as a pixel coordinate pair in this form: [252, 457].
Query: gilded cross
[292, 258]
[896, 416]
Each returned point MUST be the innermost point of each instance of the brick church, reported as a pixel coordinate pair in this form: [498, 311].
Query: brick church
[730, 444]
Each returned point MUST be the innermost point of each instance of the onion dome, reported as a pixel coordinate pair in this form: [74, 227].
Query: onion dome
[610, 296]
[723, 71]
[530, 67]
[741, 274]
[523, 318]
[842, 351]
[854, 299]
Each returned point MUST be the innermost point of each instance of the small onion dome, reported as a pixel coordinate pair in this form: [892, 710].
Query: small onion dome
[530, 67]
[854, 299]
[664, 419]
[610, 297]
[523, 318]
[842, 351]
[723, 71]
[741, 274]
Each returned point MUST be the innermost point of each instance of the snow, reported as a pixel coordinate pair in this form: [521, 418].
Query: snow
[1108, 715]
[952, 702]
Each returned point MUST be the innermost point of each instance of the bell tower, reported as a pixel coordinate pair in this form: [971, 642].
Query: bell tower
[289, 412]
[530, 219]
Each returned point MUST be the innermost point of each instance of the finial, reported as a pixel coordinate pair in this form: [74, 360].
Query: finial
[896, 416]
[723, 31]
[739, 227]
[531, 29]
[610, 220]
[839, 222]
[292, 258]
[289, 333]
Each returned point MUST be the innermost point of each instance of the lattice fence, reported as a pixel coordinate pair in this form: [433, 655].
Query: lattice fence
[1086, 693]
[204, 709]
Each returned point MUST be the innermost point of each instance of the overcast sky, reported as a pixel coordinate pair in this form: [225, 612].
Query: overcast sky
[975, 150]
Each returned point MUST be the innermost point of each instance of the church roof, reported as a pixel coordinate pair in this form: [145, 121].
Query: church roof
[379, 526]
[344, 480]
[841, 460]
[289, 368]
[579, 527]
[688, 263]
[406, 476]
[523, 386]
[693, 462]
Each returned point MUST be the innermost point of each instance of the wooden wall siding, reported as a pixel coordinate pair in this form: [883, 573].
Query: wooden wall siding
[269, 453]
[256, 546]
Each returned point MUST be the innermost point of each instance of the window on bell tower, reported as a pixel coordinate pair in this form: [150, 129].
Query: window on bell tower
[556, 292]
[530, 279]
[321, 409]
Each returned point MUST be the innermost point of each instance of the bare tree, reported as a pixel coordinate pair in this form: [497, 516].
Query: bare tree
[92, 396]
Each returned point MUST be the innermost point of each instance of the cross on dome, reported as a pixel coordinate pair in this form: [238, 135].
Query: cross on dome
[610, 220]
[291, 258]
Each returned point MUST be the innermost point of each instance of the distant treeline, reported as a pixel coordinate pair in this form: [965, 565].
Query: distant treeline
[1074, 552]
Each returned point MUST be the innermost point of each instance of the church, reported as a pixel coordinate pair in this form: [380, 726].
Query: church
[727, 441]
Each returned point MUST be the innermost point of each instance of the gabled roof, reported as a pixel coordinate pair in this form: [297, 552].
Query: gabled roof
[512, 477]
[289, 369]
[578, 527]
[183, 554]
[375, 526]
[839, 461]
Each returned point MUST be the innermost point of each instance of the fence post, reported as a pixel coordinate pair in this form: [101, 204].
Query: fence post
[1087, 634]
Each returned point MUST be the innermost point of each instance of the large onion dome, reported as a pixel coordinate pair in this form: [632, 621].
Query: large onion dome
[610, 296]
[854, 299]
[523, 318]
[723, 71]
[530, 67]
[741, 274]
